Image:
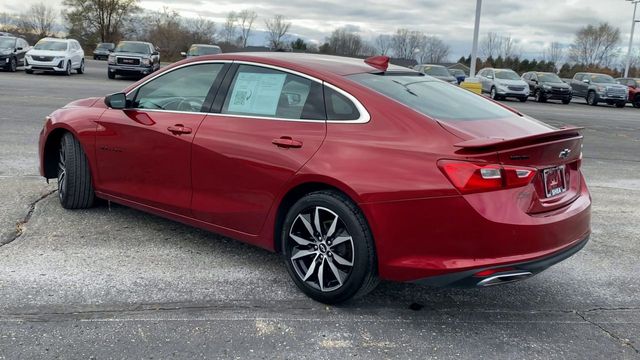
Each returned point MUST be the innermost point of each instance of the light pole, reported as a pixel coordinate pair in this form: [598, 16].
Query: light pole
[633, 27]
[476, 31]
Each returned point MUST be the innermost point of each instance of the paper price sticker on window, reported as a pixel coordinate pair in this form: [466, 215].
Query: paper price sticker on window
[255, 93]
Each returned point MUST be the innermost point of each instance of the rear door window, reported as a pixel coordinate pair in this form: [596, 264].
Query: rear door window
[263, 92]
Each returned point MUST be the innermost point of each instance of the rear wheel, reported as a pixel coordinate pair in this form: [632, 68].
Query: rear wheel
[636, 102]
[75, 189]
[328, 248]
[591, 98]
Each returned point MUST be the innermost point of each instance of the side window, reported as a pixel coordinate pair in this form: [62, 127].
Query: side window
[184, 89]
[579, 77]
[338, 106]
[258, 91]
[527, 76]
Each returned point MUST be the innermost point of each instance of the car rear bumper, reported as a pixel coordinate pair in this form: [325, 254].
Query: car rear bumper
[505, 273]
[422, 238]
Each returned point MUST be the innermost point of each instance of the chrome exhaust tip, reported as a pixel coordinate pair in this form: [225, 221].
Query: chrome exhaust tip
[504, 278]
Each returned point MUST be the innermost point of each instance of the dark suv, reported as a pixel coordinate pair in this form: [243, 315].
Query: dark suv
[103, 50]
[133, 58]
[545, 86]
[12, 50]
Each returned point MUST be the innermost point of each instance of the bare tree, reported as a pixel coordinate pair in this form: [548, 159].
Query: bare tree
[202, 30]
[509, 47]
[277, 28]
[406, 43]
[383, 44]
[434, 51]
[595, 45]
[245, 20]
[553, 53]
[38, 20]
[491, 45]
[344, 42]
[102, 17]
[229, 28]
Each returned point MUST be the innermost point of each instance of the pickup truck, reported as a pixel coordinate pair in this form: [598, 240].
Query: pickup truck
[596, 88]
[133, 58]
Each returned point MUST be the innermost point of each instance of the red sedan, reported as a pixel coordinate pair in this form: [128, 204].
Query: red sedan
[354, 170]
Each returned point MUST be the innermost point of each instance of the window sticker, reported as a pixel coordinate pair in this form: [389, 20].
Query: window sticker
[256, 93]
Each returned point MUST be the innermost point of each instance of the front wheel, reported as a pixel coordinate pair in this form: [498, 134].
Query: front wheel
[523, 99]
[81, 68]
[68, 69]
[494, 94]
[591, 98]
[328, 248]
[13, 65]
[540, 97]
[621, 105]
[75, 189]
[111, 75]
[566, 101]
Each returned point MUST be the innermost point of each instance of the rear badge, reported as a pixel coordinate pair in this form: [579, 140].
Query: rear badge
[564, 153]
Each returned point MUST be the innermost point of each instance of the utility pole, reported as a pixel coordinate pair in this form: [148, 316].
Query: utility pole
[633, 27]
[476, 32]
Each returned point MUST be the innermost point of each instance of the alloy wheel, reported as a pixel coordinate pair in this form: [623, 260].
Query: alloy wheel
[62, 171]
[322, 250]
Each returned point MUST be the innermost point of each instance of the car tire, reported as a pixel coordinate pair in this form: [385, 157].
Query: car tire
[494, 93]
[540, 97]
[592, 99]
[111, 75]
[13, 65]
[523, 99]
[95, 57]
[566, 101]
[68, 69]
[75, 189]
[620, 105]
[636, 102]
[328, 248]
[80, 70]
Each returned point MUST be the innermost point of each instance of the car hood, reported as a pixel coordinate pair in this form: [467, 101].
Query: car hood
[510, 82]
[36, 52]
[611, 86]
[88, 102]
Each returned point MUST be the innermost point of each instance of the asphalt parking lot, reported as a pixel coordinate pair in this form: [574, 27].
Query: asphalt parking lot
[118, 283]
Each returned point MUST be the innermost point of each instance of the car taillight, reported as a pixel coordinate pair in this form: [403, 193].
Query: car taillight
[469, 177]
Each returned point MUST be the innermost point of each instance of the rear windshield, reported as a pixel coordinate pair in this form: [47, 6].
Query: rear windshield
[51, 45]
[435, 99]
[129, 47]
[105, 46]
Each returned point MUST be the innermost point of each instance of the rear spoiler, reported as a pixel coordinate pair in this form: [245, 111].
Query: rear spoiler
[482, 143]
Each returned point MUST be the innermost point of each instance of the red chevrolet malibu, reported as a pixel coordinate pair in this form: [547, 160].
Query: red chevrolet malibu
[353, 169]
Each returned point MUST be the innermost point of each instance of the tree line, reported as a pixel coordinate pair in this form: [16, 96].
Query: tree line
[595, 47]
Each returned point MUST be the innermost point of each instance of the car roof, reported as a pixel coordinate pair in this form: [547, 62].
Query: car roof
[135, 42]
[206, 45]
[312, 64]
[433, 65]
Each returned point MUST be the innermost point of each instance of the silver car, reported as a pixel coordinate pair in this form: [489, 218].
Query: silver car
[503, 83]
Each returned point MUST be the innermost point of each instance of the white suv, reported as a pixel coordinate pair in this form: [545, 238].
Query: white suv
[51, 54]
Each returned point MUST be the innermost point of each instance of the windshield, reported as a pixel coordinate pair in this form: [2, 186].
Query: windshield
[548, 77]
[435, 71]
[601, 79]
[129, 47]
[7, 43]
[51, 45]
[105, 46]
[203, 50]
[435, 99]
[507, 75]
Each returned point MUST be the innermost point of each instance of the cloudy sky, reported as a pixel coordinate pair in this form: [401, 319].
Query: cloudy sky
[534, 24]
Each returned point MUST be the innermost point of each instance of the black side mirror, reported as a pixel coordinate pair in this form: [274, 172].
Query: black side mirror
[155, 53]
[18, 48]
[116, 101]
